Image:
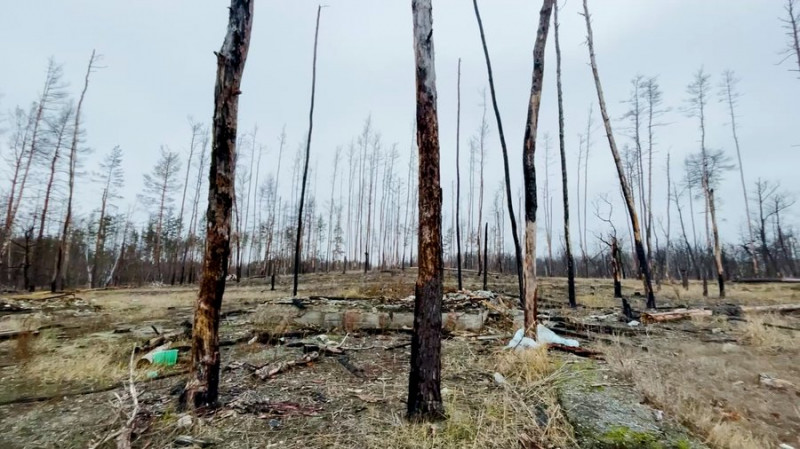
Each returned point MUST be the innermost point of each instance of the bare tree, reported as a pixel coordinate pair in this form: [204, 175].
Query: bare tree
[159, 187]
[482, 133]
[59, 131]
[424, 389]
[509, 198]
[529, 167]
[704, 167]
[299, 234]
[730, 95]
[30, 146]
[792, 25]
[564, 180]
[63, 244]
[203, 387]
[458, 178]
[111, 178]
[626, 189]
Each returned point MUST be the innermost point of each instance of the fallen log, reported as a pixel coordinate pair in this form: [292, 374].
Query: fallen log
[673, 315]
[354, 370]
[577, 350]
[12, 335]
[269, 371]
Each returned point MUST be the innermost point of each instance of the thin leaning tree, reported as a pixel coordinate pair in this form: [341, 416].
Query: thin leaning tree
[203, 387]
[509, 198]
[626, 188]
[299, 233]
[424, 380]
[529, 167]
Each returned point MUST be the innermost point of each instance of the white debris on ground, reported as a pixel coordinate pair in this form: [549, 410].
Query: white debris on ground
[544, 335]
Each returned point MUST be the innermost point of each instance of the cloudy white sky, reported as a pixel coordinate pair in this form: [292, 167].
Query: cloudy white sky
[160, 69]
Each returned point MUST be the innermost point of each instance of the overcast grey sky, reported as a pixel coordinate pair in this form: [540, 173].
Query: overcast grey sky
[160, 69]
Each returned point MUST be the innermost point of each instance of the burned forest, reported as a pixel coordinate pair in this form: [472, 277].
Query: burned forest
[289, 225]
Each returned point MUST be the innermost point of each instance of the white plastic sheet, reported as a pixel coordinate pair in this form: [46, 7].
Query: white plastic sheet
[545, 336]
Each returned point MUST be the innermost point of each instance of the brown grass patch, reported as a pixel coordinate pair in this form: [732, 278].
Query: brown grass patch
[522, 412]
[758, 333]
[652, 379]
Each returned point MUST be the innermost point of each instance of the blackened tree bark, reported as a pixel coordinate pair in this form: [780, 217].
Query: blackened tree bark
[529, 167]
[562, 147]
[626, 188]
[424, 380]
[202, 388]
[299, 233]
[509, 198]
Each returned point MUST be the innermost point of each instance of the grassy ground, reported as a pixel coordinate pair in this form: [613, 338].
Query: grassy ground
[702, 373]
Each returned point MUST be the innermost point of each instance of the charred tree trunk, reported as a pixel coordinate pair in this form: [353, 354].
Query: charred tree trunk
[202, 389]
[424, 389]
[564, 181]
[509, 198]
[299, 235]
[717, 247]
[616, 265]
[626, 189]
[529, 167]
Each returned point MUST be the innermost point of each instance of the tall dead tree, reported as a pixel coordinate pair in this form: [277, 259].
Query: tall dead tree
[299, 234]
[424, 379]
[626, 188]
[706, 167]
[730, 95]
[159, 186]
[792, 25]
[509, 197]
[529, 167]
[59, 131]
[63, 245]
[484, 131]
[458, 177]
[563, 154]
[203, 387]
[30, 148]
[196, 130]
[111, 178]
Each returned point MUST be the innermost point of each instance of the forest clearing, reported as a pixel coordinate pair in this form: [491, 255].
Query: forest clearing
[645, 383]
[366, 241]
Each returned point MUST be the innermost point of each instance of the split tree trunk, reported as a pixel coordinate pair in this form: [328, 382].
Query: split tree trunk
[424, 380]
[562, 147]
[529, 168]
[626, 188]
[202, 389]
[299, 234]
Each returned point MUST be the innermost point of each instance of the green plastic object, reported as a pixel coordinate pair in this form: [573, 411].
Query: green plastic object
[168, 357]
[152, 374]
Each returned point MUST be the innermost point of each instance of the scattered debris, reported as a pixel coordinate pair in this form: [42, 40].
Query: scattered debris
[268, 371]
[774, 383]
[188, 440]
[673, 315]
[499, 379]
[184, 421]
[544, 335]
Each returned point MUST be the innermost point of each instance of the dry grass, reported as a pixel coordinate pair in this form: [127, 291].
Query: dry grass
[522, 412]
[93, 361]
[757, 333]
[720, 427]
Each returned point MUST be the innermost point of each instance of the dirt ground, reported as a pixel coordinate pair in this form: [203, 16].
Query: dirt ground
[717, 381]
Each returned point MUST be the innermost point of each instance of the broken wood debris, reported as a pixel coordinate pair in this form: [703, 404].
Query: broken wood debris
[271, 370]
